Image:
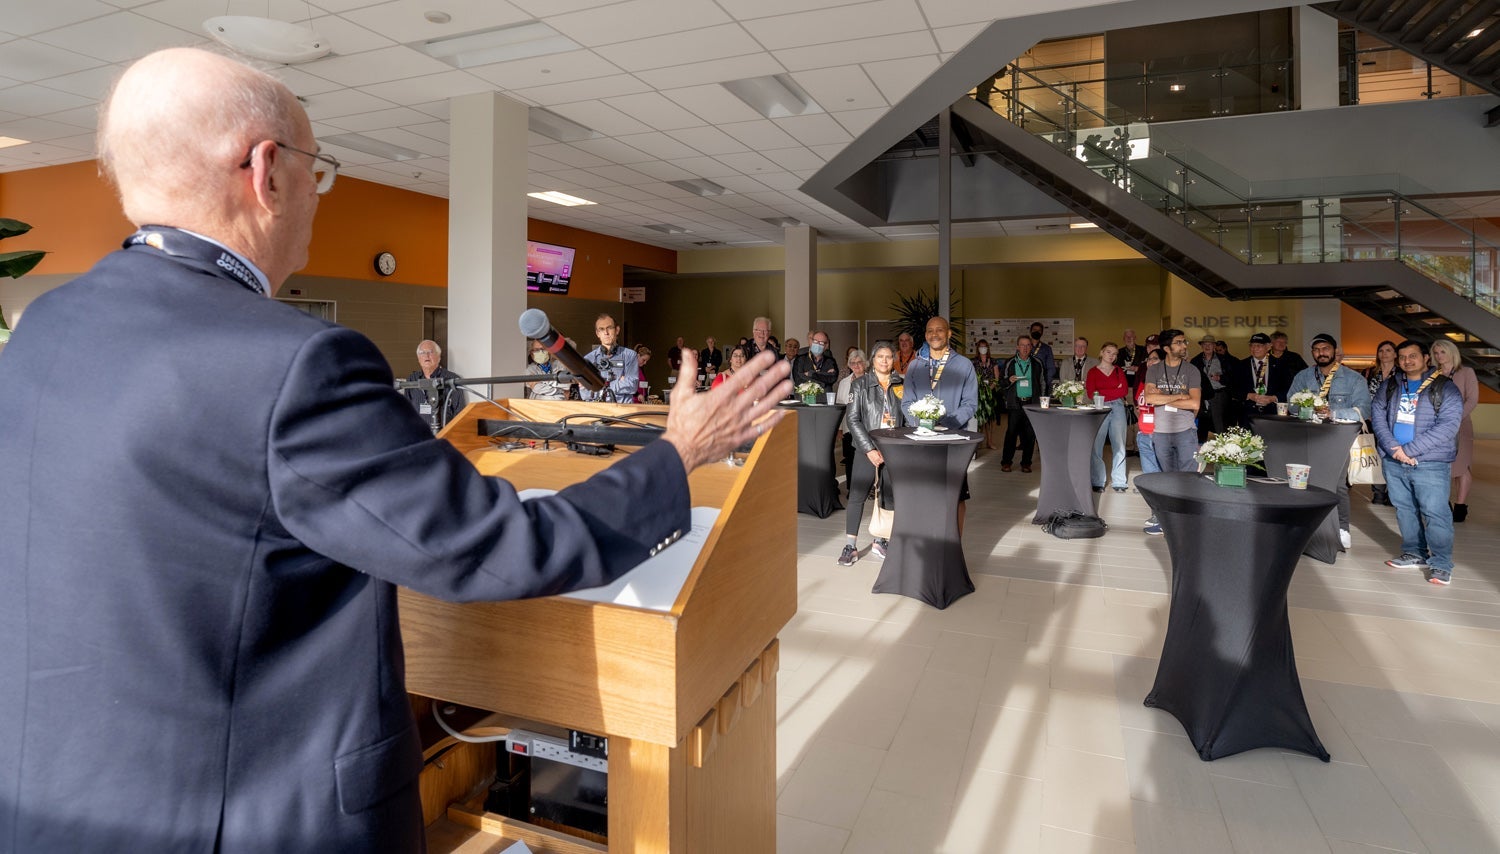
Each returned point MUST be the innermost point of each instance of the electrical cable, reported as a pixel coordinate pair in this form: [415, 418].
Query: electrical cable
[471, 739]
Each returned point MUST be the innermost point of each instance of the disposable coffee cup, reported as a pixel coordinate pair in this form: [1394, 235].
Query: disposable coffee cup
[1046, 401]
[1296, 475]
[828, 398]
[1281, 409]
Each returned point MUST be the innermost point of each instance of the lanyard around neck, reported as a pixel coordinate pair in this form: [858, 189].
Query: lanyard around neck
[197, 252]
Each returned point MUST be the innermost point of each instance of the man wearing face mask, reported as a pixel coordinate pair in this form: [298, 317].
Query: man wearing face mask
[1043, 352]
[816, 365]
[542, 364]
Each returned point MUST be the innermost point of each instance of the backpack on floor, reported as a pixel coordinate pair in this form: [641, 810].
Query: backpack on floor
[1068, 525]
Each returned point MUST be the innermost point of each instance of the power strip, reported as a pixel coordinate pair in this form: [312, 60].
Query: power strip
[524, 743]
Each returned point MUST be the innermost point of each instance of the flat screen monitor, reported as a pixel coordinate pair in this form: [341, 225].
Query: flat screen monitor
[548, 267]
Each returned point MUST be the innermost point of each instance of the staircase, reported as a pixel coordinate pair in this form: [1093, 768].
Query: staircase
[1458, 36]
[1390, 257]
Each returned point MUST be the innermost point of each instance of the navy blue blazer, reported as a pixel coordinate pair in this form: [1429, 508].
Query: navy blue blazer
[206, 501]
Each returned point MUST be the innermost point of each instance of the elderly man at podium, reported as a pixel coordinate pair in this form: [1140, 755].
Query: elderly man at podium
[199, 643]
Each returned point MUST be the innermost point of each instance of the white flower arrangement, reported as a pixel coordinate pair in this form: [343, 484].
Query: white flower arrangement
[1307, 397]
[808, 388]
[929, 408]
[1236, 446]
[1067, 388]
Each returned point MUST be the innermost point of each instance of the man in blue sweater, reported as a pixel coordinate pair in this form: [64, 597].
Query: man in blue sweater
[950, 377]
[1415, 418]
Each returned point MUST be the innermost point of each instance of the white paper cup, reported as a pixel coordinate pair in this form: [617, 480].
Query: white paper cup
[1046, 401]
[1281, 409]
[829, 398]
[1296, 475]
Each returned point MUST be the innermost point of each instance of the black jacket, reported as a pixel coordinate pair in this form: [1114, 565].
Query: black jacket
[1242, 381]
[867, 400]
[1038, 381]
[824, 371]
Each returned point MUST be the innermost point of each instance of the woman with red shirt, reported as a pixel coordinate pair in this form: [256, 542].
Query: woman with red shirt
[1108, 380]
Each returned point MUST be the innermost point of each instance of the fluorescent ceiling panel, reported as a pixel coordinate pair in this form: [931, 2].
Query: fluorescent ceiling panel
[369, 145]
[501, 44]
[776, 96]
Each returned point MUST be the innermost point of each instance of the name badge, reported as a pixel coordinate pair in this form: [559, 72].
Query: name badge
[1023, 387]
[424, 409]
[1406, 417]
[1169, 408]
[1406, 410]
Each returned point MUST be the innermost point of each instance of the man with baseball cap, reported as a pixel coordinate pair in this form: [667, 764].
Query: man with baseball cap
[1348, 397]
[1259, 381]
[1215, 388]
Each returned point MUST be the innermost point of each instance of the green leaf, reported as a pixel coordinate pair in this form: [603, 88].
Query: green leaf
[12, 228]
[17, 264]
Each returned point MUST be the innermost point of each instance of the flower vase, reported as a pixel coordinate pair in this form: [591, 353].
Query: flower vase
[810, 399]
[926, 423]
[1068, 402]
[1229, 475]
[1305, 413]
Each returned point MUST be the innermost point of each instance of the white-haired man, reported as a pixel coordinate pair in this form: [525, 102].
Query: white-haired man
[437, 405]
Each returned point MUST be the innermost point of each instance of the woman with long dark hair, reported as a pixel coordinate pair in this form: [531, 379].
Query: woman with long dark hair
[874, 402]
[1376, 375]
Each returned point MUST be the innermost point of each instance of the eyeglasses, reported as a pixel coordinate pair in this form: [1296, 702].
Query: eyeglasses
[325, 167]
[426, 352]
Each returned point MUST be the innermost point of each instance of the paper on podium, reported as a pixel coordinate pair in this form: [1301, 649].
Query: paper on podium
[657, 582]
[935, 437]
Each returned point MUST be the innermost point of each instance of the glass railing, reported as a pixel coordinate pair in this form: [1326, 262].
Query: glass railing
[1441, 237]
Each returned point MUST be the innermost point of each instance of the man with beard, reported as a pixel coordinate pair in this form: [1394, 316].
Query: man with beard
[1348, 396]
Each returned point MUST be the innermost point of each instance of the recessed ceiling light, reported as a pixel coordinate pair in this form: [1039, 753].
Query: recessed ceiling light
[699, 187]
[1081, 225]
[776, 97]
[1178, 87]
[267, 38]
[500, 44]
[781, 221]
[668, 228]
[8, 141]
[560, 128]
[1475, 33]
[372, 146]
[563, 199]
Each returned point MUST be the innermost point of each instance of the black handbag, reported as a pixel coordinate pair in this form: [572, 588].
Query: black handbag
[1068, 525]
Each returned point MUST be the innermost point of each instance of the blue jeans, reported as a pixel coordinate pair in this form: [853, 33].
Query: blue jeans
[1420, 496]
[1146, 447]
[1174, 451]
[1113, 427]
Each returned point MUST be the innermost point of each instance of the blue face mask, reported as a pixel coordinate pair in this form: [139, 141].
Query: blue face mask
[815, 349]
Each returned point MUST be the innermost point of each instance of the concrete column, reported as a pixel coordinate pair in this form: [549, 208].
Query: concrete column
[1318, 315]
[1316, 37]
[801, 283]
[486, 237]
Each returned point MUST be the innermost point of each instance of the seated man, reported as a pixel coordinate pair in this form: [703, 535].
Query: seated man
[817, 365]
[1348, 396]
[436, 406]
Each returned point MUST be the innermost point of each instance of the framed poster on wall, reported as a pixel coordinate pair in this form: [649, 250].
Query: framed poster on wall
[1002, 332]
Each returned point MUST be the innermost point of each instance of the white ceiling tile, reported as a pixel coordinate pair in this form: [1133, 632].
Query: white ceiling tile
[546, 70]
[92, 84]
[537, 163]
[360, 122]
[376, 66]
[432, 87]
[637, 19]
[747, 162]
[573, 178]
[348, 156]
[741, 184]
[681, 48]
[583, 90]
[436, 109]
[343, 102]
[944, 13]
[407, 139]
[633, 194]
[708, 140]
[404, 21]
[40, 153]
[549, 8]
[26, 18]
[430, 129]
[896, 77]
[705, 167]
[793, 158]
[814, 130]
[663, 171]
[40, 130]
[759, 135]
[189, 15]
[621, 175]
[302, 83]
[713, 71]
[82, 117]
[711, 104]
[385, 173]
[614, 150]
[659, 145]
[857, 50]
[828, 152]
[843, 88]
[656, 111]
[819, 26]
[953, 38]
[346, 37]
[32, 100]
[746, 10]
[27, 61]
[120, 37]
[779, 180]
[601, 117]
[564, 153]
[858, 121]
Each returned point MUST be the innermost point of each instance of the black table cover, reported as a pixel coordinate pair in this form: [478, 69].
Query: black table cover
[1227, 671]
[817, 485]
[1066, 437]
[925, 559]
[1325, 447]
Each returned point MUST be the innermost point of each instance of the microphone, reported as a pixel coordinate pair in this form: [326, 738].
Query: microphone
[535, 325]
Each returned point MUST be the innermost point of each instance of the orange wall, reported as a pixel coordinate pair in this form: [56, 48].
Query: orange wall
[1361, 335]
[75, 217]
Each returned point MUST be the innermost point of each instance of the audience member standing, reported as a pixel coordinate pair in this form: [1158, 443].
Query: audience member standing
[1132, 359]
[950, 377]
[1077, 366]
[1108, 381]
[710, 358]
[1348, 397]
[1174, 388]
[816, 365]
[737, 361]
[1416, 420]
[760, 338]
[987, 368]
[1022, 380]
[906, 351]
[874, 402]
[1290, 360]
[1445, 358]
[1258, 382]
[674, 355]
[1044, 355]
[855, 359]
[618, 365]
[1375, 375]
[1216, 393]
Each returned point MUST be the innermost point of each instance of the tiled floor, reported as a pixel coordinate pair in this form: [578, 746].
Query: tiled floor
[1012, 721]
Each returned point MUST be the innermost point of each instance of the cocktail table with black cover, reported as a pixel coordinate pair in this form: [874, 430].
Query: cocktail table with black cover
[1323, 446]
[817, 486]
[1066, 437]
[925, 559]
[1227, 671]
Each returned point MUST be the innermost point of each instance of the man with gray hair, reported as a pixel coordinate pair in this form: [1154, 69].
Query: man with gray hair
[437, 405]
[198, 627]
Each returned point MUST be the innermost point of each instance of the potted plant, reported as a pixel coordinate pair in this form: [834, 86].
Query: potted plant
[1307, 402]
[1230, 452]
[15, 264]
[810, 392]
[1067, 392]
[927, 411]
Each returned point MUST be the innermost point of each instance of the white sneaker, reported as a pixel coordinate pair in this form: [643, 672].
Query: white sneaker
[1344, 539]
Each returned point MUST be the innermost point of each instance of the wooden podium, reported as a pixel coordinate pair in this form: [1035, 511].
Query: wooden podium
[687, 696]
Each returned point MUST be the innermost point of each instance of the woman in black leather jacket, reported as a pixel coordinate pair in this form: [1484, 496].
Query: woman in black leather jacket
[874, 402]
